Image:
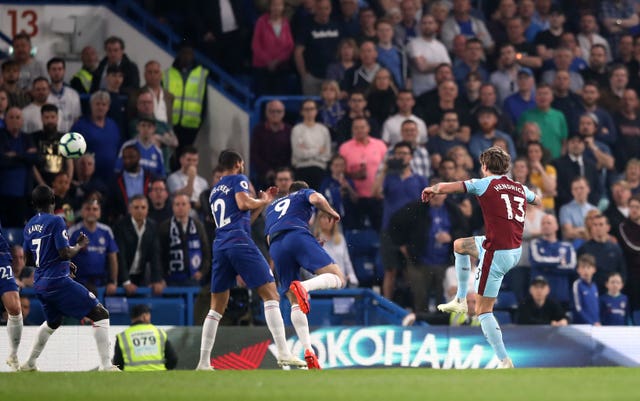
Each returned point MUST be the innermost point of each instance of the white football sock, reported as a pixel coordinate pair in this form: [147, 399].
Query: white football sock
[276, 327]
[301, 324]
[101, 335]
[44, 332]
[209, 330]
[14, 330]
[325, 281]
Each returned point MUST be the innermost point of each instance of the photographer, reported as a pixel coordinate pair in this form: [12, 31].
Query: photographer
[398, 185]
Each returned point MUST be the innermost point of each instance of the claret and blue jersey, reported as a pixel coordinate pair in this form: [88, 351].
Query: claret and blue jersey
[504, 205]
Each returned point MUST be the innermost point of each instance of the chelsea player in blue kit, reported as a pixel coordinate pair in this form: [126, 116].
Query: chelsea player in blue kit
[292, 246]
[11, 302]
[46, 245]
[235, 253]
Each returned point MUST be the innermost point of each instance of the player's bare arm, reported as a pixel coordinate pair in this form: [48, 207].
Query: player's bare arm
[71, 251]
[320, 202]
[536, 201]
[442, 188]
[246, 202]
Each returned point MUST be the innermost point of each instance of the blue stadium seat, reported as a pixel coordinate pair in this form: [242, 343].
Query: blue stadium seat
[13, 235]
[164, 311]
[636, 317]
[363, 248]
[503, 316]
[506, 300]
[36, 312]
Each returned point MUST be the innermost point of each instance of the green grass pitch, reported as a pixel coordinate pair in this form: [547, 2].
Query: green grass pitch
[581, 384]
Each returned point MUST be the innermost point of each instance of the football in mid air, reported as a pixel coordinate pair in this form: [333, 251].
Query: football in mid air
[72, 145]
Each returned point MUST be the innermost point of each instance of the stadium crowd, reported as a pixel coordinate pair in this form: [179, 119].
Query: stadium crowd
[410, 93]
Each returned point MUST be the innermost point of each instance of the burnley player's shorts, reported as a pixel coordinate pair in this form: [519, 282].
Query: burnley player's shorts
[492, 267]
[245, 260]
[294, 249]
[64, 297]
[7, 281]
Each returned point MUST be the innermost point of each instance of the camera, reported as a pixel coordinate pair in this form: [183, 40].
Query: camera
[395, 164]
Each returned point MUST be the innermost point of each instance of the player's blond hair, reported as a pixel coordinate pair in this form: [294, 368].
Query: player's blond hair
[496, 160]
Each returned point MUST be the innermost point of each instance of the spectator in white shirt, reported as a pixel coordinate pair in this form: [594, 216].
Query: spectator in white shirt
[186, 180]
[62, 95]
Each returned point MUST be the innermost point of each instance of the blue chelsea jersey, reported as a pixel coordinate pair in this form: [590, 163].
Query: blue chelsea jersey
[233, 226]
[289, 213]
[44, 235]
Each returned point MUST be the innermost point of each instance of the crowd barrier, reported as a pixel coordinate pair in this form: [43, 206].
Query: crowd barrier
[72, 348]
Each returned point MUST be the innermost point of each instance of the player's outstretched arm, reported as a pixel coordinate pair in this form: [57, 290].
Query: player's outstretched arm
[246, 202]
[442, 188]
[320, 202]
[69, 252]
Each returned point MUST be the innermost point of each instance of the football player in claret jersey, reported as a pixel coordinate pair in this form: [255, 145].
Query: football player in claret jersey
[11, 301]
[235, 253]
[46, 245]
[504, 204]
[292, 246]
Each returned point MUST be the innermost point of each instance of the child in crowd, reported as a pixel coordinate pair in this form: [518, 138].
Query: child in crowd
[331, 108]
[614, 305]
[586, 309]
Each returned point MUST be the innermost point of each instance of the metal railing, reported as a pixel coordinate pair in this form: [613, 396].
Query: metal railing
[163, 36]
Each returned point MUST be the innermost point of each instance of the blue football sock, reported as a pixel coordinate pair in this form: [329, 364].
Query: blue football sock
[493, 334]
[463, 268]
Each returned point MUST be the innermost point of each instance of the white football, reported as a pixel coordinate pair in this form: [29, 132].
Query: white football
[72, 145]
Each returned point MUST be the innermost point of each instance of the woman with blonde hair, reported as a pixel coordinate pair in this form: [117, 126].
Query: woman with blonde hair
[329, 233]
[331, 107]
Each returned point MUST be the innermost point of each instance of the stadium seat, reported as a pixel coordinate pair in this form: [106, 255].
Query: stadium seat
[503, 316]
[506, 300]
[363, 248]
[13, 235]
[164, 311]
[636, 317]
[36, 312]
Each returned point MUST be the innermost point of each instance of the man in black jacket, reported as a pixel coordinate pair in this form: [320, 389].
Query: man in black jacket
[425, 234]
[137, 239]
[573, 165]
[538, 308]
[114, 48]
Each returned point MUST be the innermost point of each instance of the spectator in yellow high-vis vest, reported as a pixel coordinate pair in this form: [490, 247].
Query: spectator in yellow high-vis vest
[187, 81]
[143, 347]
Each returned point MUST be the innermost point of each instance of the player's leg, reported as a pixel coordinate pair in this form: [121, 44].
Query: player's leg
[219, 301]
[53, 320]
[493, 266]
[288, 270]
[271, 299]
[309, 254]
[222, 278]
[100, 317]
[11, 302]
[463, 249]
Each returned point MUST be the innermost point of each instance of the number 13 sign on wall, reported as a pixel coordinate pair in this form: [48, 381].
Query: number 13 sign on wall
[16, 19]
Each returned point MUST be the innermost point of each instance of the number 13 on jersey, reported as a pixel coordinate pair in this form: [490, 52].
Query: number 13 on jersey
[519, 216]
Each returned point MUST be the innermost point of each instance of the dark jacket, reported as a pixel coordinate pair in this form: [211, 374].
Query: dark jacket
[567, 171]
[130, 74]
[410, 226]
[127, 240]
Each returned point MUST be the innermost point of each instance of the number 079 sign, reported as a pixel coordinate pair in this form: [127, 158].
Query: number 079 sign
[17, 19]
